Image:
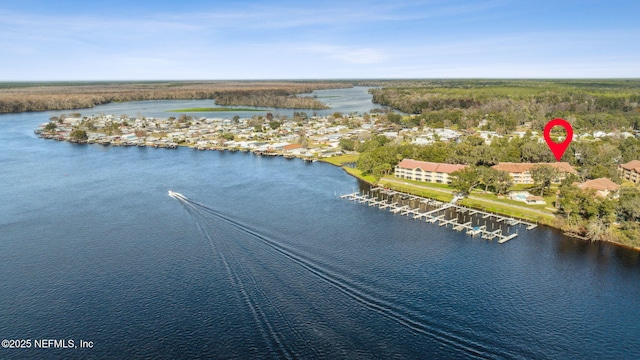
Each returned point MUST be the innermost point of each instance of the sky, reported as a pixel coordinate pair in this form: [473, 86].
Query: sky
[218, 40]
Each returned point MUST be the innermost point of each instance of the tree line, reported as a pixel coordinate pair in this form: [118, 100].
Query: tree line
[602, 218]
[594, 159]
[506, 104]
[277, 99]
[582, 211]
[18, 97]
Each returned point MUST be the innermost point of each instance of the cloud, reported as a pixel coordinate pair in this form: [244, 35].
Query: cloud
[309, 14]
[348, 54]
[306, 40]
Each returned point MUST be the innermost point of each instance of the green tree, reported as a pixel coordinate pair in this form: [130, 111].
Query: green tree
[499, 181]
[394, 118]
[368, 161]
[543, 176]
[347, 144]
[599, 171]
[630, 149]
[584, 207]
[227, 136]
[274, 124]
[629, 203]
[598, 158]
[51, 127]
[79, 135]
[534, 152]
[372, 144]
[569, 200]
[465, 180]
[381, 170]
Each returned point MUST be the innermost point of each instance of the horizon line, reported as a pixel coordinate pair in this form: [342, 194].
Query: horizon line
[317, 79]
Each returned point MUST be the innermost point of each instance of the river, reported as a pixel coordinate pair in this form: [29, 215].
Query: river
[265, 261]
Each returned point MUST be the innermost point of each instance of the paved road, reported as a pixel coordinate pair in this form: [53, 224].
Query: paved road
[515, 207]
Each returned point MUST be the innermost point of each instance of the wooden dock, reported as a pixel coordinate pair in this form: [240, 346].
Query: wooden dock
[399, 203]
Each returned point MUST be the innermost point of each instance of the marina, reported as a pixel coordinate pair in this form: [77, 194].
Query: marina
[474, 222]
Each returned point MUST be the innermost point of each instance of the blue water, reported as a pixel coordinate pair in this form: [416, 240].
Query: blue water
[266, 262]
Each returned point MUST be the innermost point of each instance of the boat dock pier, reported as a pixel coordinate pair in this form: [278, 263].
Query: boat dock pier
[432, 211]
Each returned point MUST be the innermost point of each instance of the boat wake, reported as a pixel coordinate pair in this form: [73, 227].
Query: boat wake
[370, 298]
[177, 196]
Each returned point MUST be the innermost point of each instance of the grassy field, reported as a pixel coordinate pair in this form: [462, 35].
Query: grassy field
[422, 183]
[506, 201]
[507, 210]
[419, 191]
[219, 109]
[339, 160]
[442, 192]
[357, 173]
[481, 201]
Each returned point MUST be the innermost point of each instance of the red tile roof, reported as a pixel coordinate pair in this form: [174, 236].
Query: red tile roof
[430, 166]
[601, 184]
[524, 167]
[291, 147]
[632, 165]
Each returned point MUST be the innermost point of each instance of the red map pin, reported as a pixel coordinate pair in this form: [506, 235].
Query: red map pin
[558, 149]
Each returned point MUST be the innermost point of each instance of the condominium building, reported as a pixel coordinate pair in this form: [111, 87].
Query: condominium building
[426, 171]
[521, 172]
[602, 186]
[630, 171]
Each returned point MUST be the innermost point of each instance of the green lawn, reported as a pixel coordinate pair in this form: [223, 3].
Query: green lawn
[357, 173]
[432, 194]
[505, 206]
[443, 192]
[521, 187]
[339, 160]
[433, 185]
[506, 209]
[493, 197]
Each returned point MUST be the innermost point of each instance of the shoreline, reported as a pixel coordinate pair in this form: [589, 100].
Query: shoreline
[72, 96]
[215, 134]
[354, 173]
[551, 225]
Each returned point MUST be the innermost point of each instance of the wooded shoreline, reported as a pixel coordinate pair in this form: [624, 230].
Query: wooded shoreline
[25, 97]
[553, 224]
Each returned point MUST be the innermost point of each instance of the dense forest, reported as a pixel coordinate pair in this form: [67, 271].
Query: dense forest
[506, 104]
[277, 99]
[21, 97]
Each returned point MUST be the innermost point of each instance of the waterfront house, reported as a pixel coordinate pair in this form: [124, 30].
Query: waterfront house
[291, 147]
[630, 171]
[602, 186]
[426, 171]
[521, 172]
[277, 146]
